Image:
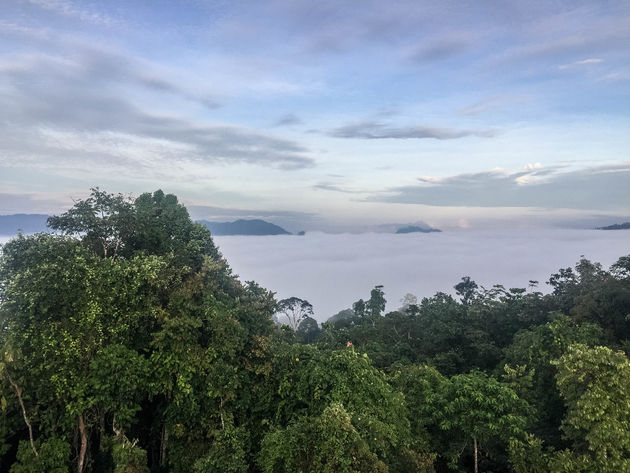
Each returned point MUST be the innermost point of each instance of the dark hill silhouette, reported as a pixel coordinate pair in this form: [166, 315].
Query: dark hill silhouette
[416, 229]
[244, 227]
[617, 226]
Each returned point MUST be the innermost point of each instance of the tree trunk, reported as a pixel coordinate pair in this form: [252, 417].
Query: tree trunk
[476, 464]
[18, 392]
[83, 450]
[163, 446]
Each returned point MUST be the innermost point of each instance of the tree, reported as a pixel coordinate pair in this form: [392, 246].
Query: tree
[306, 381]
[466, 289]
[375, 306]
[482, 409]
[134, 327]
[62, 306]
[104, 221]
[424, 388]
[295, 310]
[343, 318]
[308, 330]
[536, 349]
[359, 308]
[595, 384]
[409, 304]
[328, 443]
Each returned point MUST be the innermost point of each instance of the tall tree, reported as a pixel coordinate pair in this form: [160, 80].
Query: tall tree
[483, 410]
[466, 289]
[295, 310]
[105, 221]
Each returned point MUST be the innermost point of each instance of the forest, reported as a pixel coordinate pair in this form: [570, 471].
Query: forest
[129, 346]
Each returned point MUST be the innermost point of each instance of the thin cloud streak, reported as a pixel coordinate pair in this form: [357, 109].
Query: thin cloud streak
[585, 62]
[373, 130]
[289, 119]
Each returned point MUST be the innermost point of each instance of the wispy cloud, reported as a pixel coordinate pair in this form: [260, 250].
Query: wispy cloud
[493, 103]
[441, 49]
[329, 186]
[376, 131]
[288, 120]
[584, 62]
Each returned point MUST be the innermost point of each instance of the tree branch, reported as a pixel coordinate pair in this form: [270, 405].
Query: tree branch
[18, 391]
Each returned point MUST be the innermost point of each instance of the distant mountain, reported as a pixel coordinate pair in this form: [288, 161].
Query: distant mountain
[244, 227]
[617, 226]
[25, 223]
[342, 318]
[415, 229]
[35, 223]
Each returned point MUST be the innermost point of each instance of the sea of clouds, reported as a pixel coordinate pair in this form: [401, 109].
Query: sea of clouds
[334, 270]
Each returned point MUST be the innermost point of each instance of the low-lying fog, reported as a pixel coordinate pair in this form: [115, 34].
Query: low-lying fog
[333, 271]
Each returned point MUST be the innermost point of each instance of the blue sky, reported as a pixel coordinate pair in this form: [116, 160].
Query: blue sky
[322, 115]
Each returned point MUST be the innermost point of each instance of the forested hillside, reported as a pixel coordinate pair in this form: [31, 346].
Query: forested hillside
[128, 346]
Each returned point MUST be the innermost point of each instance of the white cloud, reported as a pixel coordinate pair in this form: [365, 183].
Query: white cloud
[584, 62]
[600, 187]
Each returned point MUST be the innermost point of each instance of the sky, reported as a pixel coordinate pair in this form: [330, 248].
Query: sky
[329, 115]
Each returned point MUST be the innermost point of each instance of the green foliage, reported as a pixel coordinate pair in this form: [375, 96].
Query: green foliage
[466, 289]
[129, 458]
[53, 457]
[534, 350]
[478, 407]
[359, 309]
[306, 381]
[424, 388]
[329, 443]
[119, 378]
[103, 219]
[527, 455]
[227, 454]
[139, 312]
[595, 384]
[308, 331]
[375, 305]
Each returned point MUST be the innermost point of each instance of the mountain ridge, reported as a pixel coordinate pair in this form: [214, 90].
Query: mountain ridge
[243, 227]
[616, 226]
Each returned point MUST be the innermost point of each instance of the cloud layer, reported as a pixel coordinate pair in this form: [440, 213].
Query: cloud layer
[85, 111]
[602, 188]
[333, 271]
